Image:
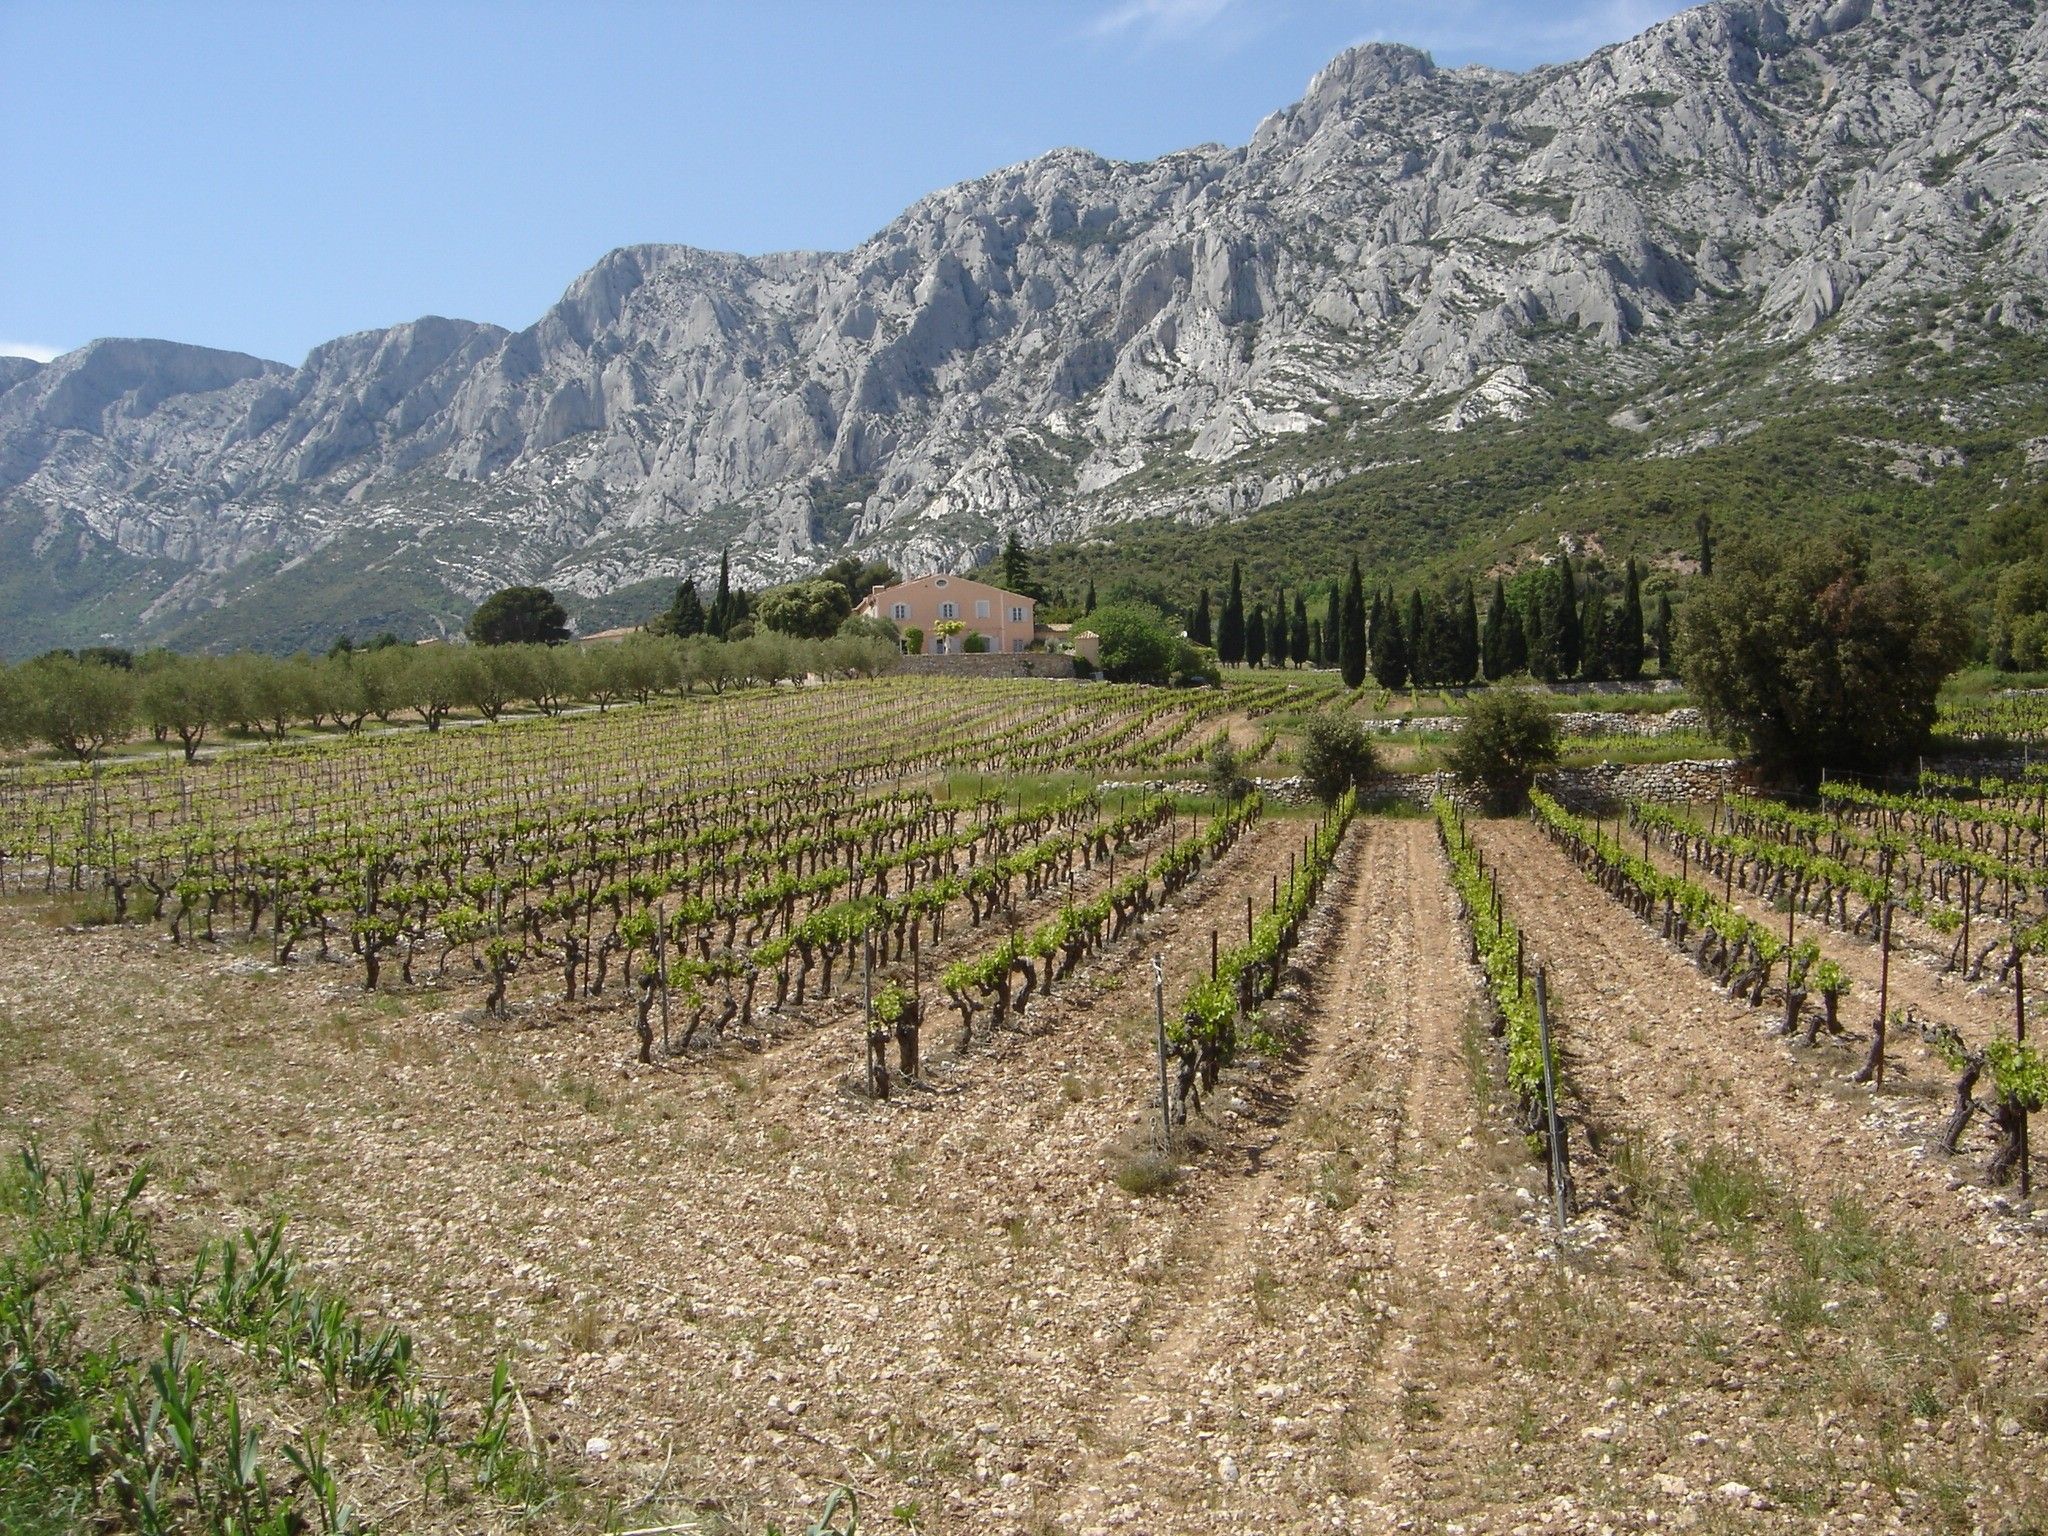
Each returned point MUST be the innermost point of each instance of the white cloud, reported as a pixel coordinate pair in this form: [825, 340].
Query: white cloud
[36, 350]
[1159, 20]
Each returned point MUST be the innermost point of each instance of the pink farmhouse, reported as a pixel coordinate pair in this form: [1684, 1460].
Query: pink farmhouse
[1007, 620]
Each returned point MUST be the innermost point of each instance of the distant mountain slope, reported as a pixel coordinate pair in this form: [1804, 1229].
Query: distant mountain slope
[1403, 263]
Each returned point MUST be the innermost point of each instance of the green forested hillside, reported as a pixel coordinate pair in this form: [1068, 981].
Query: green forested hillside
[1929, 460]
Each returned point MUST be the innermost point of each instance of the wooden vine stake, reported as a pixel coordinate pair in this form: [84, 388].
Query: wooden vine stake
[1559, 1174]
[2019, 1034]
[1872, 1071]
[877, 1039]
[1159, 1039]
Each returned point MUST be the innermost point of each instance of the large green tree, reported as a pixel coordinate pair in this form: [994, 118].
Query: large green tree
[1199, 627]
[1816, 658]
[1016, 569]
[519, 616]
[1461, 655]
[1336, 755]
[809, 610]
[187, 696]
[79, 707]
[1137, 643]
[1596, 625]
[684, 616]
[860, 577]
[719, 621]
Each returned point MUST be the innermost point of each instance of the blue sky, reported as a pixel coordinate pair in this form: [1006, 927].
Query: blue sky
[266, 176]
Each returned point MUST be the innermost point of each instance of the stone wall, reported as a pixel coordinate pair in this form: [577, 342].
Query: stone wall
[1574, 722]
[1597, 787]
[988, 664]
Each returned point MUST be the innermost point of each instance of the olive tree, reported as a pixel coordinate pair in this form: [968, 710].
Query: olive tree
[187, 696]
[80, 707]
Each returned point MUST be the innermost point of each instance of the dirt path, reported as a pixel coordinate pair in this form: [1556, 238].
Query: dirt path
[1304, 1364]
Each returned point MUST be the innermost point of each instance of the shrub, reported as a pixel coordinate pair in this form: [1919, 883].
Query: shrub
[1147, 1173]
[1336, 755]
[1227, 780]
[1509, 735]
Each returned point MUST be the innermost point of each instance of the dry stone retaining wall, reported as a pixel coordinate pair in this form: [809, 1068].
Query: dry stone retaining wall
[1599, 786]
[1581, 788]
[1576, 722]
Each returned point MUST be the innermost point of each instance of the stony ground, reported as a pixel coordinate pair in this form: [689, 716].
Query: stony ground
[729, 1284]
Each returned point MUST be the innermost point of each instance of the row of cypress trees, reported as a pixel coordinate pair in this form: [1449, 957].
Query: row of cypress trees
[1561, 630]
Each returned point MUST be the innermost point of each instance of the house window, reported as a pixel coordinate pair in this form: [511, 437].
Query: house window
[1017, 645]
[900, 611]
[981, 608]
[1016, 615]
[940, 582]
[948, 611]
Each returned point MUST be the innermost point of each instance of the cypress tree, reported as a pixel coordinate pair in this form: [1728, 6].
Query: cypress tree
[1088, 602]
[1351, 630]
[1255, 637]
[1198, 626]
[1464, 647]
[1596, 626]
[720, 619]
[1541, 618]
[1628, 641]
[1316, 655]
[1390, 649]
[1515, 644]
[685, 616]
[1333, 625]
[1017, 567]
[1230, 634]
[1278, 647]
[1376, 630]
[1704, 526]
[1493, 640]
[1424, 666]
[1297, 636]
[1660, 633]
[1571, 635]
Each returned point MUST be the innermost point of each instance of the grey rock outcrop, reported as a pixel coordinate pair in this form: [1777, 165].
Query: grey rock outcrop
[1075, 340]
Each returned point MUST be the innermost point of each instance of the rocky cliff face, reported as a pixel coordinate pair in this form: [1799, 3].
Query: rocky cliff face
[1075, 340]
